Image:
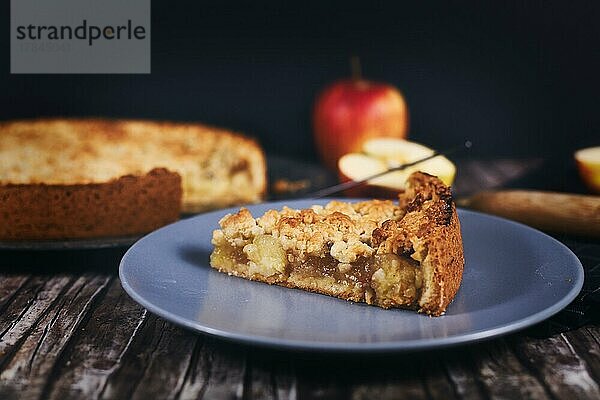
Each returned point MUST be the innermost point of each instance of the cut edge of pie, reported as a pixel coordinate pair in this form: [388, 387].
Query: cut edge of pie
[407, 254]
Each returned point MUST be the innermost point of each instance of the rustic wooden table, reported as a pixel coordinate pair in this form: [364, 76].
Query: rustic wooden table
[68, 330]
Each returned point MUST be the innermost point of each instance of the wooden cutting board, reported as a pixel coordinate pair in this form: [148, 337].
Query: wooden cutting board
[573, 214]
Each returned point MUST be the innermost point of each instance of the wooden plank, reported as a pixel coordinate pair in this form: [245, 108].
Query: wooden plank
[31, 366]
[196, 373]
[594, 351]
[390, 390]
[285, 384]
[260, 384]
[98, 348]
[28, 306]
[350, 377]
[155, 364]
[9, 286]
[227, 369]
[586, 343]
[503, 376]
[271, 374]
[458, 364]
[321, 390]
[437, 382]
[562, 370]
[385, 377]
[324, 377]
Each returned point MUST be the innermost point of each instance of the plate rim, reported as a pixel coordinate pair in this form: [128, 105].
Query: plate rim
[369, 347]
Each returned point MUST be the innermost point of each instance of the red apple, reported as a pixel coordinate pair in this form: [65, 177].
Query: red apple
[348, 112]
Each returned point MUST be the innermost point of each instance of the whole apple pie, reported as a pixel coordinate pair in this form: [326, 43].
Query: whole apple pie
[407, 254]
[93, 178]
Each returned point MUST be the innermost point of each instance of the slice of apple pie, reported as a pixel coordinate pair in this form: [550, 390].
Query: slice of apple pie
[407, 255]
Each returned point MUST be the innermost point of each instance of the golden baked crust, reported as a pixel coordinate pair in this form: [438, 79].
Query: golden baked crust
[430, 231]
[218, 168]
[128, 205]
[392, 255]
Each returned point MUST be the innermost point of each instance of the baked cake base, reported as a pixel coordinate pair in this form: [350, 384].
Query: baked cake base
[125, 206]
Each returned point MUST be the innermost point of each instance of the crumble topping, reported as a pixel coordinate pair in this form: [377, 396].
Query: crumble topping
[342, 230]
[347, 231]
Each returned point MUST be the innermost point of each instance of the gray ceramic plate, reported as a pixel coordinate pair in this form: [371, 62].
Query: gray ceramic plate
[514, 277]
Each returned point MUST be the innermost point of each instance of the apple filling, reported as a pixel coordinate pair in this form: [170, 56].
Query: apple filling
[388, 280]
[264, 256]
[228, 256]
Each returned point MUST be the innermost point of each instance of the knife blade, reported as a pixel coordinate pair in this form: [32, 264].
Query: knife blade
[351, 184]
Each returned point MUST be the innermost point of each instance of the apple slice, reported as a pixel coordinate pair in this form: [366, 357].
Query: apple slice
[358, 166]
[384, 153]
[396, 150]
[588, 164]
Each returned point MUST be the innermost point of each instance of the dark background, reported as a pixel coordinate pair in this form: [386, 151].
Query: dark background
[518, 79]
